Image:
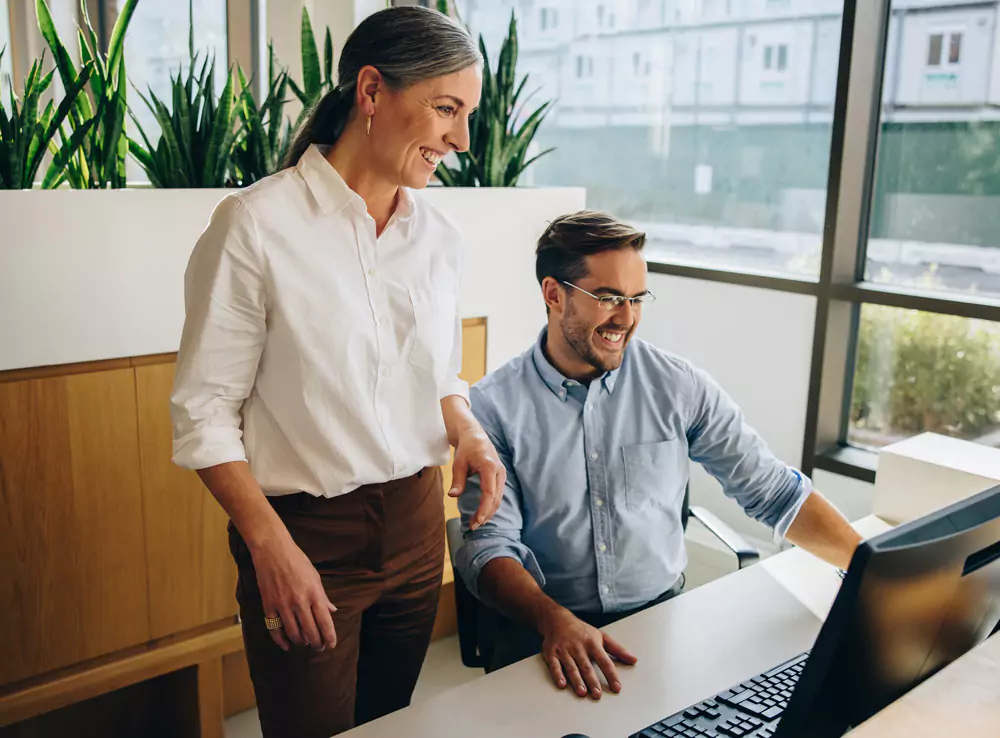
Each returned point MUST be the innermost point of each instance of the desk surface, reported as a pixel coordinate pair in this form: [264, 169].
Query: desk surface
[689, 648]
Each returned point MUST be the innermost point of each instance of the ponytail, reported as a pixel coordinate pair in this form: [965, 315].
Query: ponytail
[324, 125]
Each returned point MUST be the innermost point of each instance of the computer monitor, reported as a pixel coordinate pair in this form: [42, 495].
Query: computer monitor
[914, 599]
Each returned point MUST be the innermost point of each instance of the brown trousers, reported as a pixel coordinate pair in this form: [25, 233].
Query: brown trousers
[380, 553]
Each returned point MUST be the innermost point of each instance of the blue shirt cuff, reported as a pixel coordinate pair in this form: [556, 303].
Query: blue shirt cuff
[798, 498]
[476, 553]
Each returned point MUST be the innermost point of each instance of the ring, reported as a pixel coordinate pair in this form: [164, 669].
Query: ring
[272, 623]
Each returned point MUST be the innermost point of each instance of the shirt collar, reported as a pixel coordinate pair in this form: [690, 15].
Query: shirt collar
[333, 193]
[554, 379]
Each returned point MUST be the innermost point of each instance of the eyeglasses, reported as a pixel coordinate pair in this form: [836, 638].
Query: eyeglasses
[613, 302]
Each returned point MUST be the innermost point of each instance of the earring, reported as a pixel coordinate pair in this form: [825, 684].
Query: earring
[368, 127]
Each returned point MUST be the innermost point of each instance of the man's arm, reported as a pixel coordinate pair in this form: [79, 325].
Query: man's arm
[570, 647]
[498, 568]
[823, 531]
[768, 490]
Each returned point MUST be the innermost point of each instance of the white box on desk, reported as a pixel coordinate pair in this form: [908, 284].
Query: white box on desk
[930, 471]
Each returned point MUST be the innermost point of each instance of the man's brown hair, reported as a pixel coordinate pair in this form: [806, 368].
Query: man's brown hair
[562, 249]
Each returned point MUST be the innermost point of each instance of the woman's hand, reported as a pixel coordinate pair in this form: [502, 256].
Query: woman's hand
[475, 454]
[291, 588]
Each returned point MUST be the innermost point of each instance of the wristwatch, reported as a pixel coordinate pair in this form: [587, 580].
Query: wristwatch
[842, 573]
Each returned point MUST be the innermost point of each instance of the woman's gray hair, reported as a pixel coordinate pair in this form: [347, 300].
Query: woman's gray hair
[406, 44]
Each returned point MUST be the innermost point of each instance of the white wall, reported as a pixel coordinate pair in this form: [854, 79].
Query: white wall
[92, 275]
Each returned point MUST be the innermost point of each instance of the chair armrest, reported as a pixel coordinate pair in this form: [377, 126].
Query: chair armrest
[745, 553]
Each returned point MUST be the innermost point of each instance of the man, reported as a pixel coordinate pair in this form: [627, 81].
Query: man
[595, 429]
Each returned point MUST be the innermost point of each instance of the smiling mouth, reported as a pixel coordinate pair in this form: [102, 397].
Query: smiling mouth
[431, 157]
[613, 340]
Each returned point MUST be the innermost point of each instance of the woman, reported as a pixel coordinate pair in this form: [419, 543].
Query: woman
[317, 388]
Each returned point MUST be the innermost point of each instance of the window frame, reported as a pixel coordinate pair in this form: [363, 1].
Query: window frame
[841, 288]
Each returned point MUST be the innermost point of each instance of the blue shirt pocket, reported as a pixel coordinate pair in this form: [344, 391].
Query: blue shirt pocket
[655, 474]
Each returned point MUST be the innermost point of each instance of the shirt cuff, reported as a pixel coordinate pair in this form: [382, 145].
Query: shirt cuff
[209, 447]
[476, 553]
[456, 387]
[805, 488]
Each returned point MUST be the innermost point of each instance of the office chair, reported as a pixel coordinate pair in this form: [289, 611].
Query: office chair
[478, 624]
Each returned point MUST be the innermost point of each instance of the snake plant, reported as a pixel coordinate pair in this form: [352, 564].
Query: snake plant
[316, 82]
[96, 121]
[197, 133]
[25, 134]
[498, 146]
[267, 133]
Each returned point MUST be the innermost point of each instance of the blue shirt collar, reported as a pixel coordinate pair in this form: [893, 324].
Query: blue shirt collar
[554, 379]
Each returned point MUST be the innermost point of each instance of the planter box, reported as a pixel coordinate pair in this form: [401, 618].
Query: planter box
[88, 275]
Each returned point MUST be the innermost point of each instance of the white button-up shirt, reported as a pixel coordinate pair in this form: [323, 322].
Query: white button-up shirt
[313, 349]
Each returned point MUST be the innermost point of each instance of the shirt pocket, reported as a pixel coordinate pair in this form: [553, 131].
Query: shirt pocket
[434, 315]
[655, 473]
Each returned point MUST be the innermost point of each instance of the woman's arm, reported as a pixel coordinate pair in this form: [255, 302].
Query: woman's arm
[225, 329]
[474, 454]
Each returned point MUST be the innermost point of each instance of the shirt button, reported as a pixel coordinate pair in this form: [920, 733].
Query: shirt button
[372, 272]
[385, 371]
[603, 548]
[590, 406]
[595, 456]
[600, 503]
[605, 589]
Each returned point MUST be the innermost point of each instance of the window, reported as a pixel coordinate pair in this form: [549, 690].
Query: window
[935, 48]
[919, 371]
[6, 66]
[935, 216]
[955, 49]
[717, 168]
[157, 46]
[934, 44]
[776, 57]
[549, 19]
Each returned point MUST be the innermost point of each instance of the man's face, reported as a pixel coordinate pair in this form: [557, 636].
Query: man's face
[597, 335]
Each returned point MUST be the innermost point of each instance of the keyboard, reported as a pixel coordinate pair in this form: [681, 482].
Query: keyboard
[750, 709]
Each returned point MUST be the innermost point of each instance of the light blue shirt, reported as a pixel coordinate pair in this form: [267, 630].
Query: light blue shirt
[596, 474]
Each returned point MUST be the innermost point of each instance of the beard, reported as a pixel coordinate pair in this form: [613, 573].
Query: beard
[580, 336]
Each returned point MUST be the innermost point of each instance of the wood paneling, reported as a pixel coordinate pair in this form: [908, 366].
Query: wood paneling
[73, 584]
[192, 577]
[237, 688]
[114, 673]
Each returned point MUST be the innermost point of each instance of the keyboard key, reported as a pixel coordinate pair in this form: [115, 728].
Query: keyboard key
[757, 708]
[773, 712]
[738, 698]
[712, 713]
[672, 721]
[691, 713]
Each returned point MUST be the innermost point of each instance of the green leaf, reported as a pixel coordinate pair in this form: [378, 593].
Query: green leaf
[64, 154]
[116, 46]
[328, 61]
[310, 58]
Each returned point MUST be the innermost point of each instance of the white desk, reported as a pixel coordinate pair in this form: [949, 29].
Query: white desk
[689, 648]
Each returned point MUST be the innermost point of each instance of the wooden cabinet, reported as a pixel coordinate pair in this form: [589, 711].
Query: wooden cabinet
[110, 553]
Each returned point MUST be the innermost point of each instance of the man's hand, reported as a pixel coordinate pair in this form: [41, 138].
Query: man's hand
[474, 454]
[570, 649]
[291, 589]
